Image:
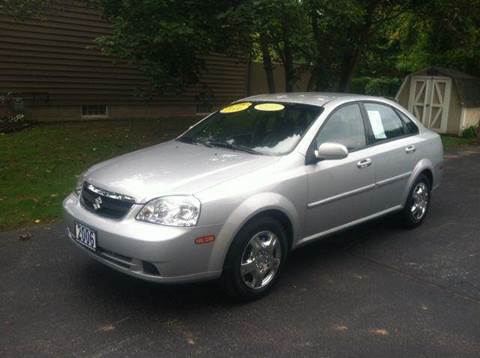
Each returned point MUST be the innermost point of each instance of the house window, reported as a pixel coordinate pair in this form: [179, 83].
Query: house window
[94, 110]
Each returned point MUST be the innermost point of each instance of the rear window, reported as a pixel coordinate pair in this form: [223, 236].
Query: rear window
[385, 123]
[410, 127]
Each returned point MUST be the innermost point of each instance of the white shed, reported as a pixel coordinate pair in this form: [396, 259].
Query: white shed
[445, 100]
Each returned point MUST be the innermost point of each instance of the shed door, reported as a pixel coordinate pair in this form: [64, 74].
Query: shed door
[429, 101]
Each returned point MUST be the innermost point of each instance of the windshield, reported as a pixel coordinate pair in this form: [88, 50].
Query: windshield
[258, 128]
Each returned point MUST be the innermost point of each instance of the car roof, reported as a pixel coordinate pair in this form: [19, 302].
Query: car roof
[311, 98]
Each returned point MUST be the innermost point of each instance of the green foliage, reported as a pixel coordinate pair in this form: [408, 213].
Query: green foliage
[22, 9]
[435, 33]
[337, 40]
[453, 142]
[273, 28]
[167, 39]
[470, 132]
[33, 181]
[381, 86]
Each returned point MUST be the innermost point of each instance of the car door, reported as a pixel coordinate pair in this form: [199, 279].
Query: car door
[340, 191]
[393, 137]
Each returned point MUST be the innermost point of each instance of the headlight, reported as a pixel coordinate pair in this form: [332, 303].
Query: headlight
[178, 210]
[79, 184]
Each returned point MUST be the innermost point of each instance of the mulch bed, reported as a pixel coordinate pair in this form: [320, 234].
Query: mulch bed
[10, 127]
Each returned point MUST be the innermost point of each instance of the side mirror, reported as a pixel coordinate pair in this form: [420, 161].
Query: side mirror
[331, 151]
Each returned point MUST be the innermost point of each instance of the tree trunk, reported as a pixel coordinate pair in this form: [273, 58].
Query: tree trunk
[288, 68]
[267, 63]
[287, 53]
[320, 76]
[311, 80]
[351, 56]
[318, 79]
[349, 65]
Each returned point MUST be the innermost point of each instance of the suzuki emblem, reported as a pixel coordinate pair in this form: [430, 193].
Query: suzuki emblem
[97, 203]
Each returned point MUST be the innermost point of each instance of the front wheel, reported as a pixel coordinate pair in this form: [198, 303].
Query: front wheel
[255, 259]
[418, 203]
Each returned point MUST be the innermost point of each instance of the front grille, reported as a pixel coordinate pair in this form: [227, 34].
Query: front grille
[105, 203]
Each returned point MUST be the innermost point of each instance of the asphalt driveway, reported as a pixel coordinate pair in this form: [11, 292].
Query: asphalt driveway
[373, 291]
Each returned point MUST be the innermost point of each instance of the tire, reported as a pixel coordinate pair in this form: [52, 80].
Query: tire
[418, 203]
[258, 250]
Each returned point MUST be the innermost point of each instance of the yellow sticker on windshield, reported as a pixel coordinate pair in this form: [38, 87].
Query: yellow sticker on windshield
[269, 107]
[237, 107]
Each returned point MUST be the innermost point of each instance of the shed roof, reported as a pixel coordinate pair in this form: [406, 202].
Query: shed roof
[468, 86]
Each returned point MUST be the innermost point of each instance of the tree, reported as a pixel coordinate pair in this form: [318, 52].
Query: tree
[326, 21]
[441, 33]
[343, 32]
[275, 33]
[265, 48]
[167, 39]
[21, 9]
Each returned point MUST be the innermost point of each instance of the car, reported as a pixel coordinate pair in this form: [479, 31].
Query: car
[231, 197]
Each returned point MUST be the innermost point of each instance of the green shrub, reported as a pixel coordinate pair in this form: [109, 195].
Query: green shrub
[470, 132]
[380, 86]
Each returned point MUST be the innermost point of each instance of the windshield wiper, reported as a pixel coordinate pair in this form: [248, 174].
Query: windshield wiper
[213, 143]
[191, 140]
[187, 140]
[231, 146]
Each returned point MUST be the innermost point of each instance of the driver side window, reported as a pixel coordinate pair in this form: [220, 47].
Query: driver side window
[345, 126]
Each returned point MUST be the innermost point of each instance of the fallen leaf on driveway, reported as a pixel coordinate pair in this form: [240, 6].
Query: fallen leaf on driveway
[380, 332]
[340, 328]
[25, 236]
[107, 328]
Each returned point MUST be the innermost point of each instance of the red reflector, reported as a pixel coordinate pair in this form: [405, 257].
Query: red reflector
[204, 239]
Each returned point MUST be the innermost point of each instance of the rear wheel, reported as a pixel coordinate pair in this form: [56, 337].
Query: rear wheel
[418, 203]
[255, 259]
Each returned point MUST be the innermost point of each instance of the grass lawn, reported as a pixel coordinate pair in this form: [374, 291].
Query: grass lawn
[38, 166]
[451, 142]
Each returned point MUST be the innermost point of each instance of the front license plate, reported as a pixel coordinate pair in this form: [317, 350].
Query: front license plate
[86, 236]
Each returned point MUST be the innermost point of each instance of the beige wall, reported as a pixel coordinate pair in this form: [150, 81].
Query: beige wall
[471, 118]
[454, 111]
[258, 79]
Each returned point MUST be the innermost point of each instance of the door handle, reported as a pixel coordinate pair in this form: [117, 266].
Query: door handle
[364, 163]
[410, 149]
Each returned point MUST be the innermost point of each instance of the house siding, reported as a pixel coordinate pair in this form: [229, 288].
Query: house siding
[52, 63]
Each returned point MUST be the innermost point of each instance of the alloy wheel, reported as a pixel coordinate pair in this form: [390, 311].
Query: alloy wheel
[420, 198]
[260, 260]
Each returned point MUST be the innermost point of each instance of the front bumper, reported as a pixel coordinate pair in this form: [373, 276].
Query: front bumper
[147, 251]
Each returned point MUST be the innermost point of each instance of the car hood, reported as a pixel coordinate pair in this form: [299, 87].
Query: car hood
[172, 168]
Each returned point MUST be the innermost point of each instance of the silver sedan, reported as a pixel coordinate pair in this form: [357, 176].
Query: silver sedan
[231, 197]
